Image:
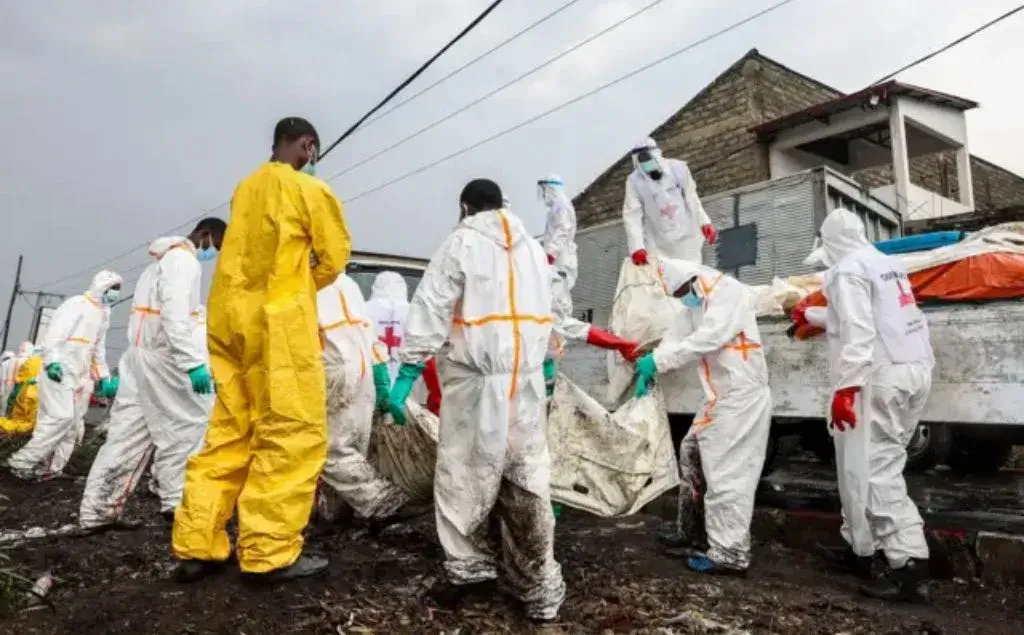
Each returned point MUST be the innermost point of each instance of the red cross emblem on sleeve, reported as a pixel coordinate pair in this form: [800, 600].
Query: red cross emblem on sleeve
[390, 340]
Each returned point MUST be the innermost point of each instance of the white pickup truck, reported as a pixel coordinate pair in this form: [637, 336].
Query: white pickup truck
[974, 416]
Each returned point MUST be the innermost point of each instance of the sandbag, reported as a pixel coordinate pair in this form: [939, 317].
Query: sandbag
[642, 311]
[406, 455]
[609, 464]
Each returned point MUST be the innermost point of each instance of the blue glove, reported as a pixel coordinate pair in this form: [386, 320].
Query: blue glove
[407, 376]
[202, 382]
[645, 373]
[382, 382]
[107, 388]
[55, 372]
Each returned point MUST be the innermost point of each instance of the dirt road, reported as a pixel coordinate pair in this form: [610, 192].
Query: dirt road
[618, 579]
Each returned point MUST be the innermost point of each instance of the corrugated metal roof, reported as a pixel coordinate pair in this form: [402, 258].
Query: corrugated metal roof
[844, 103]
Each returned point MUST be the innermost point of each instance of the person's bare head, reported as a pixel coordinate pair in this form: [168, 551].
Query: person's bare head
[209, 232]
[295, 142]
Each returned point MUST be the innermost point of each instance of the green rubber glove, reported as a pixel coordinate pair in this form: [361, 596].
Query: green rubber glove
[550, 373]
[12, 399]
[407, 376]
[556, 509]
[202, 382]
[107, 387]
[382, 382]
[55, 372]
[645, 373]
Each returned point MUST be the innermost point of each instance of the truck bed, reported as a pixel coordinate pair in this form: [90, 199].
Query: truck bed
[978, 379]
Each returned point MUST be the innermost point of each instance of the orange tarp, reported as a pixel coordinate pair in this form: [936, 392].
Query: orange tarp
[989, 276]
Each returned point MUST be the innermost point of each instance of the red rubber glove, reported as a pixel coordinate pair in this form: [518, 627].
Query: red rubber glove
[603, 339]
[433, 384]
[799, 315]
[551, 259]
[842, 408]
[640, 257]
[710, 235]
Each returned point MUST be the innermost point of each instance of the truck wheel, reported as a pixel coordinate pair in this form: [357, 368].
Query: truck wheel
[816, 440]
[921, 453]
[978, 457]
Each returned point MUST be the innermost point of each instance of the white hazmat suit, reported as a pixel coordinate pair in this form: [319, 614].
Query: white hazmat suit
[730, 430]
[559, 242]
[8, 368]
[350, 353]
[387, 308]
[879, 344]
[77, 340]
[488, 291]
[156, 414]
[663, 216]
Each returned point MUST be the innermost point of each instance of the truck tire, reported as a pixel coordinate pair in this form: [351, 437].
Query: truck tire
[978, 457]
[921, 451]
[921, 454]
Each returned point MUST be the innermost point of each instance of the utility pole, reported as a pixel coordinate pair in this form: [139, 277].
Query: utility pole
[10, 306]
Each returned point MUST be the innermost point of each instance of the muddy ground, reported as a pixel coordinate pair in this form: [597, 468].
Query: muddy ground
[618, 579]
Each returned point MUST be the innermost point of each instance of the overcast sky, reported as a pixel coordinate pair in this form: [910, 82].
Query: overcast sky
[122, 120]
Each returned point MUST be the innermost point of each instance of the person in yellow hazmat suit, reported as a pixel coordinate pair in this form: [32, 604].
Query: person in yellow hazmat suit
[22, 405]
[266, 442]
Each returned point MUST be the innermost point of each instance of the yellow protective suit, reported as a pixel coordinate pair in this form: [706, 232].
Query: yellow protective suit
[267, 438]
[26, 405]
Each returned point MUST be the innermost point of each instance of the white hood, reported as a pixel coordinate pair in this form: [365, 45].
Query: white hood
[649, 144]
[390, 285]
[841, 234]
[675, 273]
[101, 282]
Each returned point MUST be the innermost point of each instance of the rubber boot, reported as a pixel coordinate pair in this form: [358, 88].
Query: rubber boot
[907, 584]
[305, 567]
[406, 512]
[844, 560]
[681, 545]
[446, 595]
[188, 571]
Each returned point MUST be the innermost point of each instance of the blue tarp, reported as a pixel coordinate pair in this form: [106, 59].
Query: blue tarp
[919, 242]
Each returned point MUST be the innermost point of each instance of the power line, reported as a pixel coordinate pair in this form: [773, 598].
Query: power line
[471, 62]
[494, 92]
[348, 132]
[128, 252]
[956, 42]
[566, 104]
[411, 78]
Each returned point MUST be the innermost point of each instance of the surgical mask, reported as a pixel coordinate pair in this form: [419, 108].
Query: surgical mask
[110, 296]
[691, 300]
[206, 253]
[652, 168]
[309, 168]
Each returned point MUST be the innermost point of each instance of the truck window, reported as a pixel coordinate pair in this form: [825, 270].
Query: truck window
[364, 274]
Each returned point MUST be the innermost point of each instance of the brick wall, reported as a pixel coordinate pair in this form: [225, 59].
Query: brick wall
[994, 187]
[710, 134]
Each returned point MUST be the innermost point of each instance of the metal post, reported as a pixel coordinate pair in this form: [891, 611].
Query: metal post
[10, 307]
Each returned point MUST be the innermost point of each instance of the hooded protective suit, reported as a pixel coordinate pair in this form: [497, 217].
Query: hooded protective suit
[77, 340]
[731, 429]
[24, 396]
[879, 344]
[664, 216]
[488, 291]
[387, 308]
[156, 414]
[351, 350]
[8, 368]
[267, 437]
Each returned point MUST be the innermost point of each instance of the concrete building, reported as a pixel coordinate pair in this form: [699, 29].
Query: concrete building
[760, 120]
